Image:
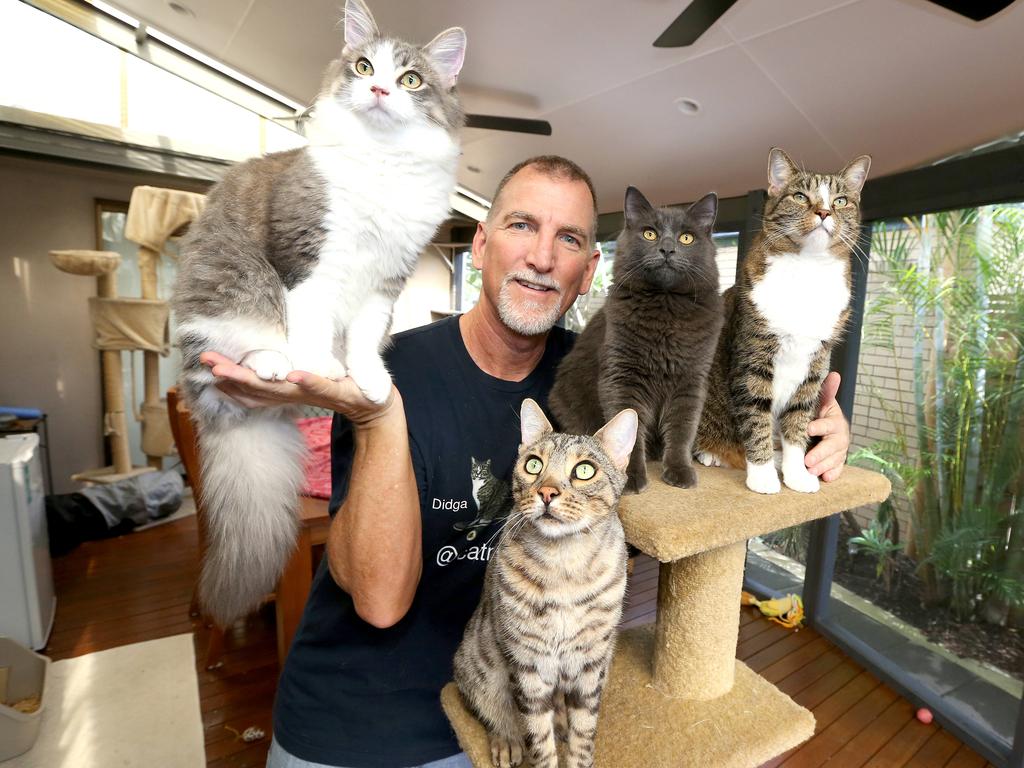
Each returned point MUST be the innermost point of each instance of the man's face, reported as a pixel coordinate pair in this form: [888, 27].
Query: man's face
[535, 252]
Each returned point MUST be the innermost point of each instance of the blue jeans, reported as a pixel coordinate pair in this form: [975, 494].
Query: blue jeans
[278, 758]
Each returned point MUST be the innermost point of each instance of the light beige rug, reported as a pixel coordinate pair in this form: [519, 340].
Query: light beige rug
[137, 705]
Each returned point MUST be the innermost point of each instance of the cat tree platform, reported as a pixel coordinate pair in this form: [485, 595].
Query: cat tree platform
[676, 695]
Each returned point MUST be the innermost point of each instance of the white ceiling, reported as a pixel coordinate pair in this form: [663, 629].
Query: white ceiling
[903, 80]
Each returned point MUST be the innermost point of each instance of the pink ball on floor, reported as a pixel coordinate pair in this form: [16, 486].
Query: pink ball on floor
[924, 715]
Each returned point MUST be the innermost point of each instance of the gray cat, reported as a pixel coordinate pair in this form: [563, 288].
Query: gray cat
[493, 497]
[536, 652]
[295, 265]
[650, 346]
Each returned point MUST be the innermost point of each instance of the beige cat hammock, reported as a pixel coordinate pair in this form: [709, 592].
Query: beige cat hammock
[676, 694]
[131, 324]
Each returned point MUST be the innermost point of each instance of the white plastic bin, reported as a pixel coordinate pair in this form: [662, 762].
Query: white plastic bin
[26, 677]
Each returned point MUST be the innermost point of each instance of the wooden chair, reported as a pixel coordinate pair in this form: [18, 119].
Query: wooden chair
[293, 588]
[185, 441]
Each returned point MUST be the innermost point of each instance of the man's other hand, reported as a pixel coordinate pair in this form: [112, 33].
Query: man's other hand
[299, 388]
[828, 457]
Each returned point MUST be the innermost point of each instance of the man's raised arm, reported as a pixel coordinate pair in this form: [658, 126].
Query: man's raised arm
[374, 547]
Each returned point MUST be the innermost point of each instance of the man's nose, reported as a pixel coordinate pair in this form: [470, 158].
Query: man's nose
[379, 91]
[547, 493]
[542, 256]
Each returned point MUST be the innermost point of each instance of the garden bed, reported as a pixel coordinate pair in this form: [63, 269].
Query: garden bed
[1000, 647]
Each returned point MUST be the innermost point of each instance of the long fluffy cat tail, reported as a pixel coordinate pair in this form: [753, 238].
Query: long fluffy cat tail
[252, 471]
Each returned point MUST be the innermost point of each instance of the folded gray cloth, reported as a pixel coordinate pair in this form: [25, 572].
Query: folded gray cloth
[141, 499]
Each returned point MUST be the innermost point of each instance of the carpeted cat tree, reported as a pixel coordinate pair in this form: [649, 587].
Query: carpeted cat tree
[676, 695]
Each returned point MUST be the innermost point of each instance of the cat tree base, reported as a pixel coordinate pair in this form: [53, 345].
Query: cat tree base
[640, 727]
[676, 695]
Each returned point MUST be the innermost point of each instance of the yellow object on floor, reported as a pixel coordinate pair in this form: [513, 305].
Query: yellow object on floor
[787, 610]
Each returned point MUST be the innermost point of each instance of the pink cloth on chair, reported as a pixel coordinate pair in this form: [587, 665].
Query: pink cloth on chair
[317, 432]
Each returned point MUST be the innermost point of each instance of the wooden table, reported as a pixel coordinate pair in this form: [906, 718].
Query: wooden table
[297, 578]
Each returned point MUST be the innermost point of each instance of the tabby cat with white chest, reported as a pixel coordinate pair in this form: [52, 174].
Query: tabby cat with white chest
[782, 318]
[536, 651]
[296, 264]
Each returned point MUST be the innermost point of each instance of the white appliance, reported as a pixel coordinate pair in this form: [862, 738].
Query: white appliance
[27, 602]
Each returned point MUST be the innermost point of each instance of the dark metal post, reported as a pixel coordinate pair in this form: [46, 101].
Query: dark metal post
[751, 226]
[1017, 755]
[824, 534]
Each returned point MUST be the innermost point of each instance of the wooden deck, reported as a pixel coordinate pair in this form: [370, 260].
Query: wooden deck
[138, 587]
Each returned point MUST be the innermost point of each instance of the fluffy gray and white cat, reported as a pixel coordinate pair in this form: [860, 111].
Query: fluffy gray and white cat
[536, 652]
[295, 265]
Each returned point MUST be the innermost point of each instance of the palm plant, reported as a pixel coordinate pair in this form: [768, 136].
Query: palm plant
[955, 282]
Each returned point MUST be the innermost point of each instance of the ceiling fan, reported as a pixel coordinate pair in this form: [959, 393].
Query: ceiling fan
[701, 14]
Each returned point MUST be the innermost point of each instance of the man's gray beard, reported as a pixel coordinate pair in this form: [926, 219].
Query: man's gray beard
[517, 316]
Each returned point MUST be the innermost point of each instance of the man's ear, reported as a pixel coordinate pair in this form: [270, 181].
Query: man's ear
[588, 275]
[479, 243]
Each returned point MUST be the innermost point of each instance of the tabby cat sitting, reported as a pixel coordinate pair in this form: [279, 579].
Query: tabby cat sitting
[650, 346]
[542, 637]
[783, 317]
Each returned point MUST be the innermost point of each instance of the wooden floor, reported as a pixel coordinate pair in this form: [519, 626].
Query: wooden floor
[138, 587]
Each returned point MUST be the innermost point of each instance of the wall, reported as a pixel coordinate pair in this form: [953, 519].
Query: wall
[46, 340]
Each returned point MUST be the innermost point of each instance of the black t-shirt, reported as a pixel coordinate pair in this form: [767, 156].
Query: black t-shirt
[354, 695]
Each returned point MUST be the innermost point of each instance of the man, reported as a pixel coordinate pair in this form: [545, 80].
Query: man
[408, 546]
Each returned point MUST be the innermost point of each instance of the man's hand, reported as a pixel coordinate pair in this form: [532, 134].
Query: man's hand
[299, 388]
[827, 458]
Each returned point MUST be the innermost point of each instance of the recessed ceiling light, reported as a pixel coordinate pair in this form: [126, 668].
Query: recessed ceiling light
[179, 8]
[688, 106]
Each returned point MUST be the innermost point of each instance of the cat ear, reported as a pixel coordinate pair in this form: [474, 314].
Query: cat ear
[856, 173]
[637, 207]
[618, 436]
[360, 27]
[447, 51]
[780, 170]
[703, 212]
[534, 423]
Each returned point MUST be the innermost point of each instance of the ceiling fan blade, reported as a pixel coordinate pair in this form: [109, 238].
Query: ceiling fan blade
[976, 10]
[515, 124]
[692, 23]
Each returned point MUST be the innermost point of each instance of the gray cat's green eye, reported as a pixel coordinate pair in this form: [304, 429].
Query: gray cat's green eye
[686, 238]
[584, 470]
[533, 465]
[800, 197]
[650, 234]
[410, 81]
[364, 67]
[839, 202]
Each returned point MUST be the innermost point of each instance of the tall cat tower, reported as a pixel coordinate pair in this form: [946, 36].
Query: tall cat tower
[133, 324]
[676, 695]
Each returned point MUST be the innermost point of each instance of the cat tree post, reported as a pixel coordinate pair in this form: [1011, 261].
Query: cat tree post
[103, 266]
[155, 215]
[696, 631]
[676, 695]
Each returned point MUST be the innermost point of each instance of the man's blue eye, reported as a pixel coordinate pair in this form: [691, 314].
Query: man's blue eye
[571, 240]
[520, 225]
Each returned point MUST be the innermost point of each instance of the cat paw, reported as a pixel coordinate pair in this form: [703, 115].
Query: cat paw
[763, 478]
[636, 484]
[325, 365]
[505, 753]
[708, 459]
[268, 364]
[374, 383]
[799, 479]
[680, 477]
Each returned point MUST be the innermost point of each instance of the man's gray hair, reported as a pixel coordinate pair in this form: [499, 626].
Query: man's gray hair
[556, 167]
